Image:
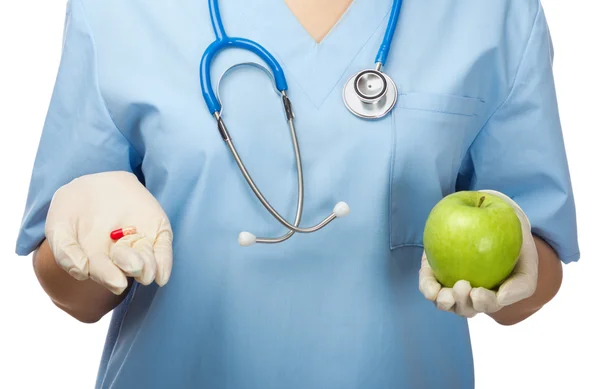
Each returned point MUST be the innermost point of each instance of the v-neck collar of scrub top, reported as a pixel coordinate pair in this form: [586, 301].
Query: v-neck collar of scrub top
[317, 68]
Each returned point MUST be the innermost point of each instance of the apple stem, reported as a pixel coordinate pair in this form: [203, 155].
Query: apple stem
[481, 200]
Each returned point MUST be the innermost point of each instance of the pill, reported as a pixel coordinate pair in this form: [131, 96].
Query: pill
[121, 232]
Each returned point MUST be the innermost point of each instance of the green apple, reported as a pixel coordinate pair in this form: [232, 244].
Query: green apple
[472, 236]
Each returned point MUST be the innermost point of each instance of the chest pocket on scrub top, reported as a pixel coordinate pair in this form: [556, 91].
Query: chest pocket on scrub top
[432, 134]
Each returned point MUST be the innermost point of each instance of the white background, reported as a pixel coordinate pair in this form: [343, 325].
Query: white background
[42, 347]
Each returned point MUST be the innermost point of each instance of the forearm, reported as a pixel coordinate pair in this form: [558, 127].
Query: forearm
[86, 301]
[549, 282]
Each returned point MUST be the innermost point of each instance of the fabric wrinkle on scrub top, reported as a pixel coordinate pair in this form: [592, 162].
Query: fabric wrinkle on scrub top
[339, 308]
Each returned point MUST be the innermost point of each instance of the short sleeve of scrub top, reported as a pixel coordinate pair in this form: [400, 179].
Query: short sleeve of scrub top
[520, 151]
[78, 137]
[339, 308]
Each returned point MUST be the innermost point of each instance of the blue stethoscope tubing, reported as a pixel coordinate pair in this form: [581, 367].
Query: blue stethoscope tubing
[213, 103]
[386, 43]
[223, 42]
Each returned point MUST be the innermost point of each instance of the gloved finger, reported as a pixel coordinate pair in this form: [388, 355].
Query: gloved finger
[107, 274]
[461, 292]
[484, 300]
[144, 248]
[163, 254]
[126, 257]
[428, 284]
[445, 300]
[68, 254]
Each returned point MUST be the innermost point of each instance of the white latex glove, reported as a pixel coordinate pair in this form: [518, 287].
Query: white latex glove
[468, 302]
[81, 217]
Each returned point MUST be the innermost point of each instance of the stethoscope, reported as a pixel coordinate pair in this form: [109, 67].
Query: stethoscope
[369, 94]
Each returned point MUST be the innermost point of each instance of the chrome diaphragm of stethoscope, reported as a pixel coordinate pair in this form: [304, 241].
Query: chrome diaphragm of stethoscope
[369, 94]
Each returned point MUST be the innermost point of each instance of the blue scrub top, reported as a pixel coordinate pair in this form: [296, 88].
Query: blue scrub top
[339, 308]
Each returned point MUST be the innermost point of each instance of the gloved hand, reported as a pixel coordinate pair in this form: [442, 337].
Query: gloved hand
[82, 216]
[468, 302]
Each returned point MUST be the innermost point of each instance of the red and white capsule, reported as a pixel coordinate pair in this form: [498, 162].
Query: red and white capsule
[121, 232]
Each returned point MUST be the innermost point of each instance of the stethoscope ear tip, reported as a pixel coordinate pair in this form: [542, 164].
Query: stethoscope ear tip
[341, 209]
[246, 239]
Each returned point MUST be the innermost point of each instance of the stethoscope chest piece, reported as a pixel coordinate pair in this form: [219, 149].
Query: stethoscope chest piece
[370, 94]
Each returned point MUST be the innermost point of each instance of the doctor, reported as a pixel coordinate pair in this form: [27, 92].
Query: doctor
[214, 290]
